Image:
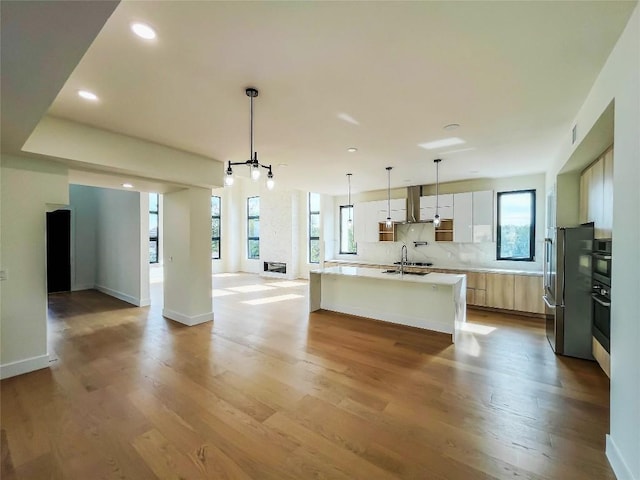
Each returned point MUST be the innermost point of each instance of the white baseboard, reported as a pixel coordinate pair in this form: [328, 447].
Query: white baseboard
[145, 302]
[619, 466]
[20, 367]
[187, 320]
[77, 288]
[119, 295]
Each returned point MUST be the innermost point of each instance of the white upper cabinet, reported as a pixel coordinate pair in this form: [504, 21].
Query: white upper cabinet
[483, 216]
[428, 206]
[365, 222]
[398, 209]
[463, 217]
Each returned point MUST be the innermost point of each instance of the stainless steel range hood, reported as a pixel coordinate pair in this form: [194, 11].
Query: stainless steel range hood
[413, 206]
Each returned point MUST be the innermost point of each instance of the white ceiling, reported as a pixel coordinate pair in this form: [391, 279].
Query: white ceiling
[513, 74]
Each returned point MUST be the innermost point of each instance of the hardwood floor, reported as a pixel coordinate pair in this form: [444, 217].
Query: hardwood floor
[267, 391]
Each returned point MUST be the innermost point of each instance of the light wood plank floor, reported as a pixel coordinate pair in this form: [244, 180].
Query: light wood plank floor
[267, 391]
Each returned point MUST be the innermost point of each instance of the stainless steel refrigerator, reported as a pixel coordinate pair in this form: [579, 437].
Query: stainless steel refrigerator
[567, 290]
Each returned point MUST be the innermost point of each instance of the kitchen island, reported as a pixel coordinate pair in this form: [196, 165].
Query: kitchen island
[435, 301]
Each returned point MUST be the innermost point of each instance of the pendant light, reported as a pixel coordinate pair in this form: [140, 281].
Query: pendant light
[389, 223]
[252, 163]
[349, 198]
[436, 218]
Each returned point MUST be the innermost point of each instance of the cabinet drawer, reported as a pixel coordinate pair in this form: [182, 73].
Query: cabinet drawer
[500, 291]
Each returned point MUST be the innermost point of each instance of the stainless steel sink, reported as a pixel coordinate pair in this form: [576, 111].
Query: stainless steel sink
[397, 272]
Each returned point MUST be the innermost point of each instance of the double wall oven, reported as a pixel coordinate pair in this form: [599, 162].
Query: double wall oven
[601, 292]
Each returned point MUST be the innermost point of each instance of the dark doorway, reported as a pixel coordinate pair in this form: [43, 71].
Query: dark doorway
[59, 251]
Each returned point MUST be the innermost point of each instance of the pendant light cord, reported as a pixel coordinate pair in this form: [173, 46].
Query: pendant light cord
[389, 192]
[251, 127]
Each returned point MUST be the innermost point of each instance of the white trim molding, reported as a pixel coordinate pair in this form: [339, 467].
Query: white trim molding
[187, 320]
[619, 466]
[121, 296]
[20, 367]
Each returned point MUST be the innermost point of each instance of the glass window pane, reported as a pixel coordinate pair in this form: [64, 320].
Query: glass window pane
[314, 251]
[153, 251]
[253, 229]
[254, 249]
[314, 202]
[314, 225]
[153, 202]
[215, 227]
[253, 206]
[215, 249]
[215, 206]
[515, 223]
[153, 225]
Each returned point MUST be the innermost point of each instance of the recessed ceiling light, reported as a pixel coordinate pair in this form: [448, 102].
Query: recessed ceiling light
[445, 142]
[127, 185]
[451, 126]
[87, 95]
[348, 118]
[352, 149]
[143, 31]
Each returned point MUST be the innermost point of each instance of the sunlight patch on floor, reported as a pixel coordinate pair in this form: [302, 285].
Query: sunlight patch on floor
[221, 293]
[277, 298]
[224, 275]
[251, 288]
[287, 284]
[477, 328]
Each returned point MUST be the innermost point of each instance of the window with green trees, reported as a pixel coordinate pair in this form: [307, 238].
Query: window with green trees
[253, 227]
[215, 227]
[516, 225]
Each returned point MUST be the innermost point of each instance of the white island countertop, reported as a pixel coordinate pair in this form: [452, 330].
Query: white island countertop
[434, 301]
[430, 278]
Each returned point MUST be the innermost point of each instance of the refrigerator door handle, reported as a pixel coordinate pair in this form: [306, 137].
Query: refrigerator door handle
[603, 303]
[546, 300]
[545, 263]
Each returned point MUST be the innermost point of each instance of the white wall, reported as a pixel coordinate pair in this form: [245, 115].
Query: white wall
[449, 254]
[83, 236]
[619, 81]
[30, 188]
[120, 260]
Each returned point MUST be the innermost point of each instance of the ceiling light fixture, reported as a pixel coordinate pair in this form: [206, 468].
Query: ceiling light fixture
[389, 223]
[127, 185]
[352, 149]
[451, 126]
[252, 163]
[445, 142]
[436, 217]
[87, 95]
[349, 197]
[143, 31]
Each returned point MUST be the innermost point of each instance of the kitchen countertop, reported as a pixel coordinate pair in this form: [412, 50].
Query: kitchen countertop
[532, 273]
[429, 278]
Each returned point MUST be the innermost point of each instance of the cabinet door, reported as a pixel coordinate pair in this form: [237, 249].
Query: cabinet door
[471, 297]
[499, 293]
[584, 198]
[372, 226]
[596, 196]
[463, 217]
[607, 193]
[483, 216]
[399, 209]
[359, 222]
[528, 292]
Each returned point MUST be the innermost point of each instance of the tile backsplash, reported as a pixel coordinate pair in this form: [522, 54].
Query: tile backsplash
[441, 254]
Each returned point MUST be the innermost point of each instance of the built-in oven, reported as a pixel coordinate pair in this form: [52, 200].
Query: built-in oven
[601, 313]
[601, 263]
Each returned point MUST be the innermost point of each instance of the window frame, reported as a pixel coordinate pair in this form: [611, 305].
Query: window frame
[309, 236]
[155, 239]
[532, 226]
[249, 218]
[355, 246]
[219, 257]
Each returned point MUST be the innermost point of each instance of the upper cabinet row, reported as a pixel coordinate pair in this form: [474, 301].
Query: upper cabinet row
[471, 212]
[467, 217]
[596, 195]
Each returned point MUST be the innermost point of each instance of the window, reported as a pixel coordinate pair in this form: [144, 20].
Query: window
[154, 211]
[347, 243]
[314, 227]
[253, 227]
[215, 227]
[516, 225]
